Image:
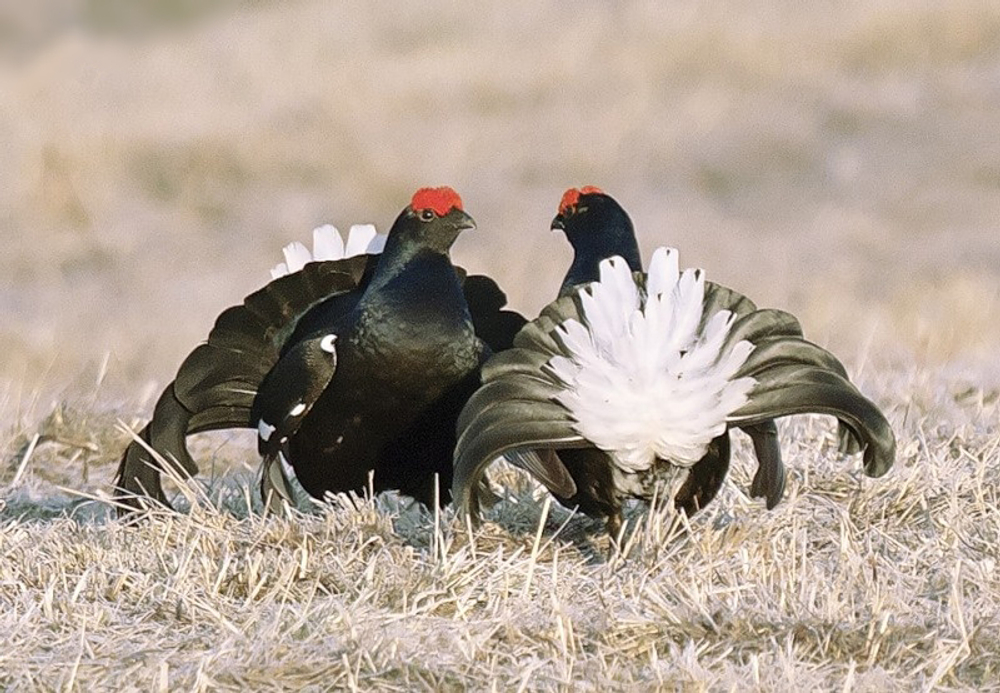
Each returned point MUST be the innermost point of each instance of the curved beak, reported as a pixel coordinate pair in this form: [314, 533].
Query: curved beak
[460, 220]
[559, 223]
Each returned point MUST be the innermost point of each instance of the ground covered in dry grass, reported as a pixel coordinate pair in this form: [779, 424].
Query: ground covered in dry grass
[838, 161]
[850, 584]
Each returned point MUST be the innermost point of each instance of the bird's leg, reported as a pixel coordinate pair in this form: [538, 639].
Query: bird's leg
[613, 522]
[275, 489]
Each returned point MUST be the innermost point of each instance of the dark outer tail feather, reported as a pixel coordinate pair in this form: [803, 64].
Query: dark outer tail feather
[525, 362]
[538, 334]
[139, 471]
[218, 418]
[528, 388]
[769, 481]
[847, 443]
[497, 415]
[490, 443]
[793, 389]
[766, 323]
[247, 339]
[216, 384]
[212, 376]
[515, 410]
[545, 466]
[705, 477]
[788, 349]
[166, 433]
[718, 297]
[593, 474]
[138, 476]
[783, 350]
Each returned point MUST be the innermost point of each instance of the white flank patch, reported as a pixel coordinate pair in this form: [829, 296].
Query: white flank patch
[264, 430]
[641, 380]
[287, 468]
[298, 409]
[328, 245]
[329, 343]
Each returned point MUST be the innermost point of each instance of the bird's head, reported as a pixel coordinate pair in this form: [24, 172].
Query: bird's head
[434, 218]
[589, 216]
[598, 228]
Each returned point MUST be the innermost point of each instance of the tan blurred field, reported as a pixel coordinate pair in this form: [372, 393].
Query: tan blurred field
[838, 160]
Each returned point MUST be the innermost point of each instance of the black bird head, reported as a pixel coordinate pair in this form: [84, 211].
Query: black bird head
[597, 227]
[433, 220]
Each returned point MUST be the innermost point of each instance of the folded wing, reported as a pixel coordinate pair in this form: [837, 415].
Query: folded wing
[217, 383]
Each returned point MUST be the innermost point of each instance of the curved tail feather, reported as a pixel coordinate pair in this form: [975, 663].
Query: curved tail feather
[216, 384]
[508, 426]
[769, 481]
[718, 297]
[138, 476]
[517, 411]
[800, 389]
[139, 471]
[775, 350]
[544, 465]
[705, 478]
[247, 339]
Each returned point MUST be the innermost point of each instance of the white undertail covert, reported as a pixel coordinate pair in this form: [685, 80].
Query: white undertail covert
[645, 375]
[328, 245]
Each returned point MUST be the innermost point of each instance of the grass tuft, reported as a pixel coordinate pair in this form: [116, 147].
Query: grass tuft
[853, 583]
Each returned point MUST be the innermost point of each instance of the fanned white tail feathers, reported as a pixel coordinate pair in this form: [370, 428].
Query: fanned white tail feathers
[641, 379]
[328, 245]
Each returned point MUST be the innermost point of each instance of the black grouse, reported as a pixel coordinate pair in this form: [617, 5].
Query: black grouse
[630, 381]
[598, 228]
[345, 367]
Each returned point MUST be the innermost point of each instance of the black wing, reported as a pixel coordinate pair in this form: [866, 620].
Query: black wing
[216, 384]
[494, 325]
[290, 389]
[285, 397]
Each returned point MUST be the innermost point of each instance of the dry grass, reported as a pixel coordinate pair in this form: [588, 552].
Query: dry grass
[835, 160]
[851, 584]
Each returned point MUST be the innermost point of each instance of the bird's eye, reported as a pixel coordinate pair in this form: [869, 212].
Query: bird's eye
[426, 214]
[580, 209]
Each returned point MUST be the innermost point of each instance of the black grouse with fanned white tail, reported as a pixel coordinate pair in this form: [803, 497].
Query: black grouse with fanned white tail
[350, 363]
[598, 228]
[629, 383]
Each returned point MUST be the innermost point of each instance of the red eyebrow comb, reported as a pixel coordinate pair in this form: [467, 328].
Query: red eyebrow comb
[571, 197]
[441, 200]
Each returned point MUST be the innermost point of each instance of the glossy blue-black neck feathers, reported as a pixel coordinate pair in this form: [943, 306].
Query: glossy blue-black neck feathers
[597, 228]
[412, 237]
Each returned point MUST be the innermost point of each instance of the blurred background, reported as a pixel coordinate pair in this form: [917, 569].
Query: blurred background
[839, 160]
